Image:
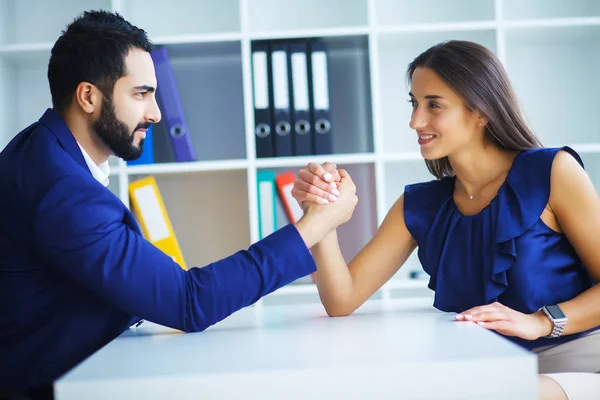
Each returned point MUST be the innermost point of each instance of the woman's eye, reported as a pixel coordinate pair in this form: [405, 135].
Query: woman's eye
[434, 105]
[412, 103]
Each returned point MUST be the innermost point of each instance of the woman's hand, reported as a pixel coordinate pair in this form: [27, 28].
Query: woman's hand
[340, 211]
[317, 184]
[508, 322]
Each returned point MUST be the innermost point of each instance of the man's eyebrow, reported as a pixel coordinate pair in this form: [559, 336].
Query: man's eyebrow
[429, 96]
[145, 87]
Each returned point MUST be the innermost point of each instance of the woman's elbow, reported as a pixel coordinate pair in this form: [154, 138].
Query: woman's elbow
[338, 310]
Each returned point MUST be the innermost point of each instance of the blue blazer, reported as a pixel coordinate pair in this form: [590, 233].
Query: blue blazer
[75, 271]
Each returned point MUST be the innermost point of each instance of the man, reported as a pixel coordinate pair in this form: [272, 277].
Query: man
[75, 271]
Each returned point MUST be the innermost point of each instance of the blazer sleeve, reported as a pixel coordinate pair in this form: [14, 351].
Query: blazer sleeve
[78, 231]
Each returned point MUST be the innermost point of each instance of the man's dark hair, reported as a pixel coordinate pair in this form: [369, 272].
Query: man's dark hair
[92, 49]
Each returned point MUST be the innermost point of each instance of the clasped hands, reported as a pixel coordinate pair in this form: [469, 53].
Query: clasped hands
[325, 184]
[327, 192]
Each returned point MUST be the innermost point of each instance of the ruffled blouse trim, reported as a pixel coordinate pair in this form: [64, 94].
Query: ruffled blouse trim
[517, 208]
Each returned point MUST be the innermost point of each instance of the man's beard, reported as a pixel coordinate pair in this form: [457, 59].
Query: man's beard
[115, 134]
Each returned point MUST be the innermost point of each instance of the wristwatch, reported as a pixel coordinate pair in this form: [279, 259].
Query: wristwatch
[558, 318]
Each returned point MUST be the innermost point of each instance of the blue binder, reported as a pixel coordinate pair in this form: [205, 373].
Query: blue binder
[170, 103]
[321, 111]
[147, 156]
[261, 78]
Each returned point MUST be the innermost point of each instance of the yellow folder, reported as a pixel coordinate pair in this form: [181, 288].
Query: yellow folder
[149, 208]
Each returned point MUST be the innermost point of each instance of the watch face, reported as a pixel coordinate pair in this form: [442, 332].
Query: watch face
[555, 312]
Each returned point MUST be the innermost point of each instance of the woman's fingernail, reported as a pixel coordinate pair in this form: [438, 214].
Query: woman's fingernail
[333, 185]
[323, 201]
[332, 197]
[481, 323]
[468, 316]
[335, 192]
[327, 176]
[459, 316]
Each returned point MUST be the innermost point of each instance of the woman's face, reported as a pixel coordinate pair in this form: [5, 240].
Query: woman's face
[443, 122]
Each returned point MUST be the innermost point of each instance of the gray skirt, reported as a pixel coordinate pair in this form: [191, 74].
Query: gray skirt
[574, 365]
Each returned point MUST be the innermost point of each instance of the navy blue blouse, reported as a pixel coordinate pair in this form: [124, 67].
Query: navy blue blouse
[505, 253]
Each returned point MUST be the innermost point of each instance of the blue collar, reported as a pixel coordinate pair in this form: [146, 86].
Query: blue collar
[57, 126]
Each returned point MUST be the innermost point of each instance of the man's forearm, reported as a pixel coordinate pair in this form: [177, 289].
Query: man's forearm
[225, 286]
[312, 229]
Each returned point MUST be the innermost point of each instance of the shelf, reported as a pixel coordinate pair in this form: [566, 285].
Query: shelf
[552, 23]
[348, 73]
[24, 86]
[554, 73]
[7, 109]
[277, 15]
[403, 156]
[183, 167]
[585, 148]
[438, 27]
[114, 184]
[18, 55]
[282, 162]
[404, 12]
[546, 9]
[161, 18]
[35, 21]
[304, 33]
[590, 148]
[196, 38]
[209, 82]
[209, 213]
[350, 94]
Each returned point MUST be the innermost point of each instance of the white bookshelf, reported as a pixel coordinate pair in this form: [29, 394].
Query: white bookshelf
[551, 49]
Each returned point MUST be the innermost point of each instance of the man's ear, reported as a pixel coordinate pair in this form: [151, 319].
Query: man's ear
[88, 97]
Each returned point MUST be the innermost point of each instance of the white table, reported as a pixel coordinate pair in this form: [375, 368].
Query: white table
[394, 349]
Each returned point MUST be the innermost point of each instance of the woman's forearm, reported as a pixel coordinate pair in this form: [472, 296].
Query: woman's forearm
[582, 312]
[333, 278]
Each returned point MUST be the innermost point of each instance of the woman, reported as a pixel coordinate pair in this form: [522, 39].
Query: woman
[508, 232]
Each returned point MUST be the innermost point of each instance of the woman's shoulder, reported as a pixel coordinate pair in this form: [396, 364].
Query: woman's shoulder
[527, 192]
[428, 196]
[432, 187]
[423, 201]
[540, 159]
